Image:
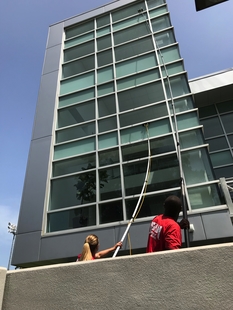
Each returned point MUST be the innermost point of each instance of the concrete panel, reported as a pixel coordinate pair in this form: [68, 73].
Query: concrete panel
[194, 278]
[55, 34]
[47, 97]
[26, 248]
[217, 224]
[52, 59]
[32, 204]
[2, 284]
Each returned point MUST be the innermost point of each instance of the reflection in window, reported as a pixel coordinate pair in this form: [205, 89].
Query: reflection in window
[78, 66]
[130, 33]
[72, 165]
[76, 97]
[108, 157]
[110, 183]
[221, 158]
[227, 120]
[75, 132]
[212, 127]
[111, 212]
[204, 196]
[217, 144]
[107, 124]
[69, 219]
[196, 166]
[79, 51]
[106, 105]
[86, 186]
[79, 29]
[164, 174]
[160, 23]
[76, 114]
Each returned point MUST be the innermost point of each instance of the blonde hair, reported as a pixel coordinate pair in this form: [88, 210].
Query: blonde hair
[89, 248]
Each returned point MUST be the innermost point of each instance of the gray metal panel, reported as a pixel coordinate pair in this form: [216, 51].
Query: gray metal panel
[55, 34]
[217, 224]
[43, 123]
[26, 248]
[52, 59]
[199, 232]
[32, 205]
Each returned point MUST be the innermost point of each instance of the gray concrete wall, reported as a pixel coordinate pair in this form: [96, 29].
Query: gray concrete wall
[194, 278]
[2, 283]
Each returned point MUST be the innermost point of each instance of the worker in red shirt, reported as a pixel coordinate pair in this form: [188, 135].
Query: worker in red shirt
[165, 232]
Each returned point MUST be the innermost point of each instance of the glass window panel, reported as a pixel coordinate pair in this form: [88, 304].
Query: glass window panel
[165, 38]
[154, 3]
[160, 23]
[75, 132]
[139, 96]
[130, 33]
[135, 65]
[78, 66]
[79, 51]
[225, 106]
[110, 212]
[76, 97]
[158, 11]
[108, 140]
[104, 58]
[138, 79]
[74, 148]
[204, 197]
[71, 219]
[101, 32]
[207, 111]
[173, 68]
[142, 115]
[191, 138]
[106, 105]
[105, 89]
[110, 183]
[224, 172]
[179, 86]
[107, 124]
[217, 144]
[128, 11]
[76, 114]
[140, 150]
[77, 83]
[182, 104]
[152, 205]
[76, 191]
[105, 74]
[138, 133]
[129, 22]
[133, 48]
[72, 165]
[164, 174]
[212, 127]
[109, 157]
[169, 54]
[196, 166]
[103, 20]
[79, 40]
[230, 138]
[187, 120]
[79, 29]
[104, 42]
[227, 121]
[221, 158]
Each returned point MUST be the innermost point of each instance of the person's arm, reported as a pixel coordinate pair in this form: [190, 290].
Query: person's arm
[184, 224]
[172, 236]
[105, 252]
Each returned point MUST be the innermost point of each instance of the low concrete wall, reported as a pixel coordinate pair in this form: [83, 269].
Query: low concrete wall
[194, 278]
[2, 283]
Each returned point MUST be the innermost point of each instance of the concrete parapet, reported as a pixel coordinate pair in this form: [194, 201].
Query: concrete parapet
[195, 278]
[2, 284]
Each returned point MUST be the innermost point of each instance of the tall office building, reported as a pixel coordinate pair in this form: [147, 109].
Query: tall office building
[112, 79]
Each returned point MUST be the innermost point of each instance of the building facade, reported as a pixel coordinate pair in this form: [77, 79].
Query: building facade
[114, 96]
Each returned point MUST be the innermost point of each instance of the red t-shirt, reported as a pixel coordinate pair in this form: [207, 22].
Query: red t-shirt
[164, 234]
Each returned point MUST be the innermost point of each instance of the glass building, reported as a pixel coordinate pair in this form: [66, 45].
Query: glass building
[112, 79]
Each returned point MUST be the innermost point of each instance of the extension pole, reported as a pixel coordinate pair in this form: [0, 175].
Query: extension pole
[182, 185]
[140, 197]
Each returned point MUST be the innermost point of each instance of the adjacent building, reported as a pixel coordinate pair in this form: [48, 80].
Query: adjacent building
[114, 95]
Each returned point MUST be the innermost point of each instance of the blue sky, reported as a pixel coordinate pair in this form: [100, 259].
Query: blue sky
[206, 44]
